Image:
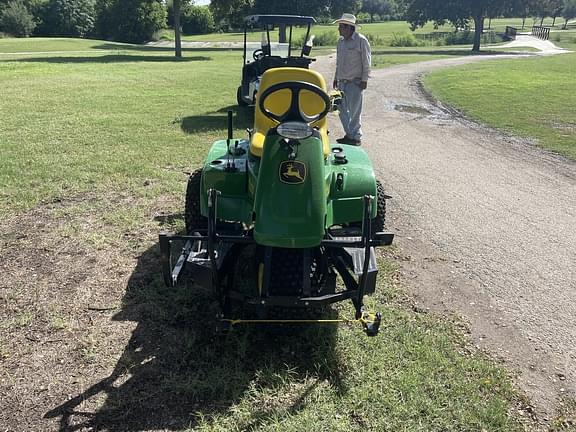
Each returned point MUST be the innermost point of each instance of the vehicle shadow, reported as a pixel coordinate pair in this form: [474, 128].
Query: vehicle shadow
[243, 118]
[176, 372]
[149, 48]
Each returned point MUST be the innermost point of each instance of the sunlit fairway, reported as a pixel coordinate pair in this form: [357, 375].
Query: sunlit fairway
[533, 98]
[106, 116]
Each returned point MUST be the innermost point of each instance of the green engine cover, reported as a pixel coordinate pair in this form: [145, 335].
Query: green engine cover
[290, 198]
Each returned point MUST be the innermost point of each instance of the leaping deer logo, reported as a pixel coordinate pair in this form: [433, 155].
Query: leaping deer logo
[292, 172]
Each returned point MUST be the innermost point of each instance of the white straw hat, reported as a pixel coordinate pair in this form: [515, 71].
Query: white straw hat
[348, 19]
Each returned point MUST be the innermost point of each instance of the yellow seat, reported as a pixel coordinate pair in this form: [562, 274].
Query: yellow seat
[279, 102]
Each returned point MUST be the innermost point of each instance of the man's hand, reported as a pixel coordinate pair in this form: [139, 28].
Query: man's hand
[363, 85]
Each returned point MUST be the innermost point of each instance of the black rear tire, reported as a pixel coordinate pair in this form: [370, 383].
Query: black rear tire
[239, 99]
[192, 215]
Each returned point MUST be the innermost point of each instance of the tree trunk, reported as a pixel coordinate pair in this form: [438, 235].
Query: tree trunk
[177, 38]
[553, 21]
[542, 22]
[566, 24]
[478, 30]
[523, 22]
[490, 23]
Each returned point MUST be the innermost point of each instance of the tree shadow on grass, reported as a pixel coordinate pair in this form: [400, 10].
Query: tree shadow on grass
[148, 48]
[243, 118]
[174, 372]
[120, 58]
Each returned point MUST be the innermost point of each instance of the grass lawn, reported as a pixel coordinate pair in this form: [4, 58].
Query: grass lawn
[533, 97]
[564, 38]
[95, 147]
[386, 57]
[106, 117]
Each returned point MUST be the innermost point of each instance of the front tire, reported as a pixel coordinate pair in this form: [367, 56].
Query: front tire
[379, 221]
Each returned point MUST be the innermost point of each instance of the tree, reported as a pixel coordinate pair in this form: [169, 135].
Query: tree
[177, 28]
[401, 7]
[16, 20]
[547, 8]
[68, 18]
[197, 20]
[457, 12]
[337, 7]
[520, 8]
[315, 8]
[377, 7]
[133, 21]
[187, 18]
[102, 24]
[291, 7]
[230, 13]
[569, 11]
[31, 5]
[556, 7]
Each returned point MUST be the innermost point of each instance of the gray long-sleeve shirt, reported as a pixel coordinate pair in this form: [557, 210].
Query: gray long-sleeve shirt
[353, 58]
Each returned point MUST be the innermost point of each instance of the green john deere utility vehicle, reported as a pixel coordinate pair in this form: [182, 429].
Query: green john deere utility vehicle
[274, 219]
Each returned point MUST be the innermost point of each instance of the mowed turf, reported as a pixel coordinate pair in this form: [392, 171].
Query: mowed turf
[533, 98]
[110, 134]
[105, 118]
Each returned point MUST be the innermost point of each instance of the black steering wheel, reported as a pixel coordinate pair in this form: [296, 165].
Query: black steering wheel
[258, 54]
[294, 113]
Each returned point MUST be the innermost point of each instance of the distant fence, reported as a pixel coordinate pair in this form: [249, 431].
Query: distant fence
[510, 33]
[541, 32]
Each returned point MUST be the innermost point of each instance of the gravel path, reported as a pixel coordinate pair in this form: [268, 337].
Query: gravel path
[485, 224]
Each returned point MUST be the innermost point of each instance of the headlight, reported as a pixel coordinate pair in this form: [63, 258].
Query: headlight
[294, 130]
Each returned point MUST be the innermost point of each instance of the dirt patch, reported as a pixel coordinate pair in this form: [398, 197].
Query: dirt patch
[91, 339]
[63, 278]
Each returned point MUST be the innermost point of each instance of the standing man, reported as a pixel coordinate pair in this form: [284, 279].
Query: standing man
[353, 58]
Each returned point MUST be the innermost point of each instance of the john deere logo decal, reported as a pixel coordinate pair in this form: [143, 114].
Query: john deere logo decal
[292, 172]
